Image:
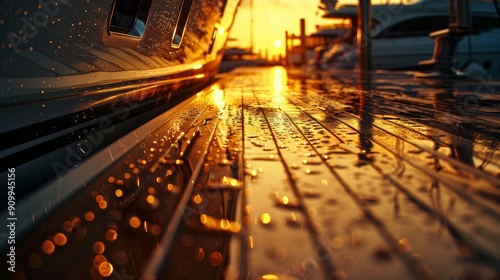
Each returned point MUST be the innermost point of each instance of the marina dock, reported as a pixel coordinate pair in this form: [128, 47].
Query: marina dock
[275, 173]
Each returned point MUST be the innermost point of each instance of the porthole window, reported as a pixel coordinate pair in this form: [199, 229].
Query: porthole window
[129, 17]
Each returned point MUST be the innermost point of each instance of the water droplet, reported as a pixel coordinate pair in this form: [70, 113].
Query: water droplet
[135, 222]
[337, 243]
[200, 254]
[67, 226]
[404, 245]
[225, 182]
[111, 235]
[250, 172]
[354, 239]
[89, 216]
[118, 193]
[105, 269]
[222, 225]
[312, 212]
[60, 239]
[48, 247]
[151, 199]
[265, 218]
[103, 204]
[286, 201]
[197, 199]
[98, 247]
[215, 259]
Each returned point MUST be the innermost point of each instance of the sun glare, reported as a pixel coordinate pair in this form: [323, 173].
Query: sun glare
[278, 43]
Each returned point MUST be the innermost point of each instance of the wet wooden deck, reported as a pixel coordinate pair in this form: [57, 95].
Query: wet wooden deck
[284, 174]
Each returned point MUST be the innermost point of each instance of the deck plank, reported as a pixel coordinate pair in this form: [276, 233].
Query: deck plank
[283, 174]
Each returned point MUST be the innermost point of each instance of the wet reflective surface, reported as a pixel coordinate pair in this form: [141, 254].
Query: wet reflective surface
[278, 174]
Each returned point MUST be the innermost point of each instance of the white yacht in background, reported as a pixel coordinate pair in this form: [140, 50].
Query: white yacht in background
[400, 32]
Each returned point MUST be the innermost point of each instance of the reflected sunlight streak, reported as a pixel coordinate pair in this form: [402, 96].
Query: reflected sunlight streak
[280, 80]
[218, 97]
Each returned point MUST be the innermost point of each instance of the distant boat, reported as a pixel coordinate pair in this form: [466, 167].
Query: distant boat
[400, 33]
[237, 57]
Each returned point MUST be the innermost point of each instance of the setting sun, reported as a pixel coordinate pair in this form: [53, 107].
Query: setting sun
[270, 21]
[278, 43]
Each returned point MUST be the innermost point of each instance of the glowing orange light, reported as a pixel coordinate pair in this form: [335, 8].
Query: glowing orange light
[60, 239]
[67, 226]
[103, 205]
[99, 247]
[111, 235]
[269, 277]
[98, 260]
[197, 199]
[265, 218]
[48, 247]
[105, 269]
[75, 222]
[135, 222]
[89, 216]
[118, 193]
[285, 200]
[215, 258]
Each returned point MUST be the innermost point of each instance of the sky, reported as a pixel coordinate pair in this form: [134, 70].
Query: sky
[271, 19]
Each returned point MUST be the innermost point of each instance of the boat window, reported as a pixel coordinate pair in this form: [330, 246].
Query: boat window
[130, 17]
[415, 27]
[425, 26]
[485, 22]
[181, 23]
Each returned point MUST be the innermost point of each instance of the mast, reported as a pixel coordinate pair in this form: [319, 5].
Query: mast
[251, 26]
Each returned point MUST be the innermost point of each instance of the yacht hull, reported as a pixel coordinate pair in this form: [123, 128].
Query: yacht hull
[70, 76]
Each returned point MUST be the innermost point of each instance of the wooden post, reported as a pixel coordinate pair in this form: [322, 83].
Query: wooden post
[302, 41]
[251, 26]
[287, 58]
[363, 36]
